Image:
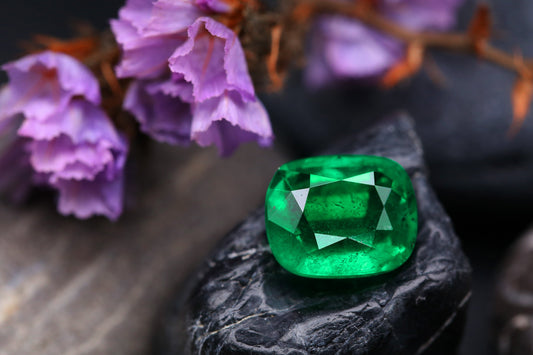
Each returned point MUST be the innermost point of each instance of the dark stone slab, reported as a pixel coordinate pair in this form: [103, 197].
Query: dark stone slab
[243, 302]
[514, 300]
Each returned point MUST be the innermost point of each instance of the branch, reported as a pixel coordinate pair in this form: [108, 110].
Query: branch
[457, 42]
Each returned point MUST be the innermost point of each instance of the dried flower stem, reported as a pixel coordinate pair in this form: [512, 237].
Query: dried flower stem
[458, 42]
[272, 60]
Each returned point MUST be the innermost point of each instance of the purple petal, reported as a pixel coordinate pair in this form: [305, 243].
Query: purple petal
[212, 59]
[422, 14]
[227, 121]
[77, 143]
[126, 34]
[137, 13]
[344, 48]
[175, 87]
[171, 16]
[81, 121]
[62, 158]
[220, 6]
[85, 199]
[143, 57]
[164, 117]
[44, 83]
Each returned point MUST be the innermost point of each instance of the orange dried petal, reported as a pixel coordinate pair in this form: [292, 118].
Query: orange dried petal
[79, 48]
[480, 28]
[272, 60]
[521, 100]
[407, 67]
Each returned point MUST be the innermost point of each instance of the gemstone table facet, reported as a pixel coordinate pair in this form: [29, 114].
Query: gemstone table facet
[341, 216]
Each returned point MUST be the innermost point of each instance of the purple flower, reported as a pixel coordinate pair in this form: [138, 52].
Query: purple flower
[86, 198]
[212, 59]
[343, 48]
[193, 81]
[65, 140]
[161, 109]
[77, 143]
[79, 147]
[143, 57]
[227, 121]
[149, 32]
[44, 83]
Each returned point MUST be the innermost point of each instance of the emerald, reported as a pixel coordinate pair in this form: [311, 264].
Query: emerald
[341, 216]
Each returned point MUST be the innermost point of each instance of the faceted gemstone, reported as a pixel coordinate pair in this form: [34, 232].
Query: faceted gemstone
[341, 216]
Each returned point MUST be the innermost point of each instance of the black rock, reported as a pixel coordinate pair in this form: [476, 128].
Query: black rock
[243, 302]
[514, 300]
[462, 123]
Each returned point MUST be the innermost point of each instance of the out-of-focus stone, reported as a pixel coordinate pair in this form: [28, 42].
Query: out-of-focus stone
[514, 300]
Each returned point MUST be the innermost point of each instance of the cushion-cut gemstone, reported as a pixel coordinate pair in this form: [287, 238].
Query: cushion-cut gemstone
[341, 216]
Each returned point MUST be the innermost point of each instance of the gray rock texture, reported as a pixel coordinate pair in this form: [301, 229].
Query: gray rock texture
[514, 300]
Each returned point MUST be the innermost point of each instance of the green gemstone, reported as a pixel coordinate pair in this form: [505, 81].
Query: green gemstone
[341, 216]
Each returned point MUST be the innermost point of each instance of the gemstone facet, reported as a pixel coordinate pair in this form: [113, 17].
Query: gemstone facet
[341, 216]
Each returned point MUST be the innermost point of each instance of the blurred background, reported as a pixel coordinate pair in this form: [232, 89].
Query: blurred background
[482, 176]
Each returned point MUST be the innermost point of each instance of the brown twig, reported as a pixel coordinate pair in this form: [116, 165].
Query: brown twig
[110, 78]
[458, 42]
[272, 60]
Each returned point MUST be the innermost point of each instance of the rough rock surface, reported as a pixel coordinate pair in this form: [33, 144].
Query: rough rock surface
[243, 302]
[514, 300]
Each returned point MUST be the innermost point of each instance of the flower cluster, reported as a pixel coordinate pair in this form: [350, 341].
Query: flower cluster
[186, 79]
[344, 48]
[191, 76]
[64, 140]
[190, 83]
